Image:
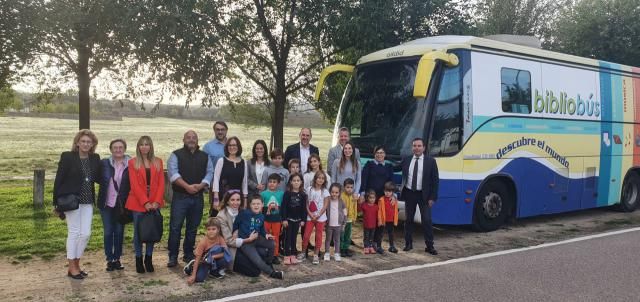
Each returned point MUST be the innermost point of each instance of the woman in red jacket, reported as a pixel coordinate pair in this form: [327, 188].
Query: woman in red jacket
[146, 176]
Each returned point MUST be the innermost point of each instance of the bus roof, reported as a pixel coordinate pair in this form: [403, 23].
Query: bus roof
[421, 46]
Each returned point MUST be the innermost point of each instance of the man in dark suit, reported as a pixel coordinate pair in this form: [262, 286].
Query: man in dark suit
[301, 150]
[419, 188]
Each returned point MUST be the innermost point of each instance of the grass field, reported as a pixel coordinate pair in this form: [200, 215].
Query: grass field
[27, 143]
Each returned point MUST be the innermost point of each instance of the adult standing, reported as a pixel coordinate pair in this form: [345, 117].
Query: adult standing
[112, 195]
[256, 167]
[301, 150]
[419, 188]
[146, 176]
[215, 148]
[346, 166]
[77, 172]
[190, 171]
[374, 175]
[230, 173]
[336, 151]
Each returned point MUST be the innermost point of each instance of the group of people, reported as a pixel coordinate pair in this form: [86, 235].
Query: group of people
[257, 207]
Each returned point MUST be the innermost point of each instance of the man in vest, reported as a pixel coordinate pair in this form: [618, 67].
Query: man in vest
[190, 171]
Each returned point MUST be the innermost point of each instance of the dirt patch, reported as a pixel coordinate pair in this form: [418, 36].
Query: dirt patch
[44, 280]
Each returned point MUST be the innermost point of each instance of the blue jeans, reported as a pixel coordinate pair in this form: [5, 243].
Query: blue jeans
[113, 234]
[183, 207]
[205, 268]
[137, 245]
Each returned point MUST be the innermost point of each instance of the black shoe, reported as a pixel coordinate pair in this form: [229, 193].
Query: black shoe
[187, 259]
[83, 273]
[379, 250]
[275, 260]
[139, 265]
[76, 276]
[408, 247]
[352, 243]
[277, 275]
[218, 274]
[117, 265]
[431, 250]
[311, 247]
[110, 267]
[393, 249]
[346, 253]
[173, 262]
[148, 263]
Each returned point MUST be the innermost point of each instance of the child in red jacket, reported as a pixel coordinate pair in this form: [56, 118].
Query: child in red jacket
[370, 221]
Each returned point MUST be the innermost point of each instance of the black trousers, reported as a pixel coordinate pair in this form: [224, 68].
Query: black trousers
[291, 234]
[413, 199]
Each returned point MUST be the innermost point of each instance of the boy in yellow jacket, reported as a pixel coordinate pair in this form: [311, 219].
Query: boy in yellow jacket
[352, 214]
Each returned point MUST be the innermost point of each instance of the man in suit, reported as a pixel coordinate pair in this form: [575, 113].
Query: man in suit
[301, 150]
[419, 188]
[336, 151]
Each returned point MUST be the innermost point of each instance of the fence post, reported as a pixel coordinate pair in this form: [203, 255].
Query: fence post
[38, 188]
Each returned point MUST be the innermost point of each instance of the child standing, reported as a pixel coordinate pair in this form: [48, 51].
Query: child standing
[294, 214]
[272, 200]
[249, 226]
[352, 215]
[316, 211]
[276, 167]
[313, 166]
[294, 166]
[212, 256]
[336, 217]
[388, 212]
[369, 221]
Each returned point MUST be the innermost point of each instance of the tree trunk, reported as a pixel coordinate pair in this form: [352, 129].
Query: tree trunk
[277, 125]
[84, 85]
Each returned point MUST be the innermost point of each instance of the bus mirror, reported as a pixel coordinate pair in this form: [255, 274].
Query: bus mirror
[425, 69]
[327, 71]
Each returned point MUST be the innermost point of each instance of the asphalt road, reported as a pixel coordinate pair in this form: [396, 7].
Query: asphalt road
[598, 269]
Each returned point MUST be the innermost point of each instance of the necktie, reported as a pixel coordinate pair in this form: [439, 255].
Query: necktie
[414, 178]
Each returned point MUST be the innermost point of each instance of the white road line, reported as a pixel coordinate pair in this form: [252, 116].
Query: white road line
[417, 267]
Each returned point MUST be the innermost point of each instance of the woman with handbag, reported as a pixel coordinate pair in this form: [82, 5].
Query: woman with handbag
[113, 193]
[146, 177]
[74, 195]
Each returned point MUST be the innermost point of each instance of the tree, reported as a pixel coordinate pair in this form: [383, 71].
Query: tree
[211, 46]
[9, 99]
[17, 36]
[603, 29]
[371, 25]
[518, 17]
[82, 38]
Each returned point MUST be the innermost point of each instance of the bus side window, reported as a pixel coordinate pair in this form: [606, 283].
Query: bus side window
[516, 90]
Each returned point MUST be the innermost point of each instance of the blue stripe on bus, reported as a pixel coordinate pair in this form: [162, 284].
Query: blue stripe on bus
[535, 126]
[606, 137]
[618, 115]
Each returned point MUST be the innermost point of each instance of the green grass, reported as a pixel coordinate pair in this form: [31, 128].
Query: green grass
[37, 233]
[29, 143]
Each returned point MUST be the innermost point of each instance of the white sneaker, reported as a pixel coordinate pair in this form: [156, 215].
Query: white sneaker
[316, 260]
[301, 257]
[337, 257]
[327, 256]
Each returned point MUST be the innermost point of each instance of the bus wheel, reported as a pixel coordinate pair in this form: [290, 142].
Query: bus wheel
[630, 193]
[492, 206]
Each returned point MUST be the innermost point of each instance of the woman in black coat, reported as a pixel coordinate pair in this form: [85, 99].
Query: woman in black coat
[77, 172]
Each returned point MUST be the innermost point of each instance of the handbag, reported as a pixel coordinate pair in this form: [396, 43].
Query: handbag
[67, 202]
[123, 215]
[150, 227]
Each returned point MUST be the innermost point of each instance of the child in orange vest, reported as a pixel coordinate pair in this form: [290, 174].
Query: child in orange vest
[388, 212]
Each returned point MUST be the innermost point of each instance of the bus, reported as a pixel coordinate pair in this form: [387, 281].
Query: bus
[516, 131]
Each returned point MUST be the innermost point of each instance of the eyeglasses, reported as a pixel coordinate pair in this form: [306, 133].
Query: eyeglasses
[220, 129]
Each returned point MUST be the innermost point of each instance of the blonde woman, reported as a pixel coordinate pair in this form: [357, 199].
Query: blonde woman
[77, 172]
[146, 176]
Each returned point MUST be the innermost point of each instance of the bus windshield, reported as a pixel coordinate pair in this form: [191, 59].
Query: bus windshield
[379, 107]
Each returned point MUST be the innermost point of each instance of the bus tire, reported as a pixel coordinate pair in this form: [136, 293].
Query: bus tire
[630, 195]
[492, 206]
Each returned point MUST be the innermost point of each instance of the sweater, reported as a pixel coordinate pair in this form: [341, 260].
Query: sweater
[369, 215]
[294, 206]
[247, 222]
